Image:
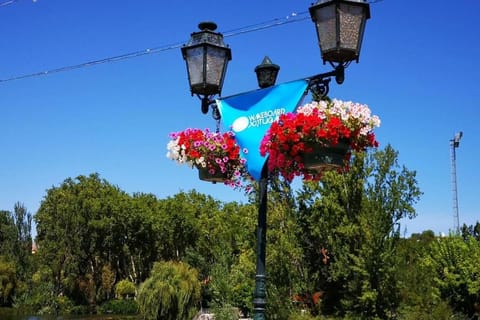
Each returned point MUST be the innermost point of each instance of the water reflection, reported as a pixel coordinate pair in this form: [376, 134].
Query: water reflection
[10, 314]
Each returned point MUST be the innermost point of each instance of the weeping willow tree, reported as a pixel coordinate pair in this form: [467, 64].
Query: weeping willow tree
[172, 292]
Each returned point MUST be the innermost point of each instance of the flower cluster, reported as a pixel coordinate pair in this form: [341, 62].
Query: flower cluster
[216, 152]
[317, 123]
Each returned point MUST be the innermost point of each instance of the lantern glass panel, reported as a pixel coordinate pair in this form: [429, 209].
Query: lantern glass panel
[216, 64]
[351, 23]
[194, 59]
[266, 77]
[325, 19]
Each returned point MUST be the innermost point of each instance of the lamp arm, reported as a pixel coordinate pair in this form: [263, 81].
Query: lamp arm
[319, 84]
[206, 102]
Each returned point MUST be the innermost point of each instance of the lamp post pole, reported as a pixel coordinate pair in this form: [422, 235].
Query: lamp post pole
[260, 293]
[266, 77]
[340, 26]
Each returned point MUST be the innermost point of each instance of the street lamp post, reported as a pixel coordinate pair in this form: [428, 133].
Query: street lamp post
[340, 25]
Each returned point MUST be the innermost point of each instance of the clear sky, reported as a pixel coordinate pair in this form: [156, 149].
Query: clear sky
[417, 71]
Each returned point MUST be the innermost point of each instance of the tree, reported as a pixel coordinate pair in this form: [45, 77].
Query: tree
[454, 262]
[172, 292]
[417, 288]
[284, 253]
[350, 231]
[472, 230]
[7, 281]
[16, 251]
[85, 225]
[7, 234]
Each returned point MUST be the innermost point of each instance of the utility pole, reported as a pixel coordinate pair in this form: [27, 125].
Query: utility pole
[455, 143]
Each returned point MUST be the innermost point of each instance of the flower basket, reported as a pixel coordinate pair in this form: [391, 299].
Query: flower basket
[326, 157]
[215, 155]
[318, 137]
[205, 175]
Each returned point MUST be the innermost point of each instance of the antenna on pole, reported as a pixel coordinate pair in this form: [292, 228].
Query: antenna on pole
[455, 143]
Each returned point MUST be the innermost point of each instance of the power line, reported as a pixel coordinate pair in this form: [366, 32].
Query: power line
[96, 62]
[294, 17]
[291, 18]
[9, 2]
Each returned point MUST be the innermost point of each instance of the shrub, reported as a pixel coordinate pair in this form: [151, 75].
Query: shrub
[125, 289]
[171, 293]
[120, 307]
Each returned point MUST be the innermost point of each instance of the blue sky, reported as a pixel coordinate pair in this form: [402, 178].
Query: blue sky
[417, 71]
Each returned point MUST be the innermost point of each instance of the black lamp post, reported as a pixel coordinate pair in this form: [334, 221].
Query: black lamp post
[266, 77]
[340, 25]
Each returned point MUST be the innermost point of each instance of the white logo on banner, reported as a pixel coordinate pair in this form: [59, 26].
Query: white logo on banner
[257, 119]
[240, 124]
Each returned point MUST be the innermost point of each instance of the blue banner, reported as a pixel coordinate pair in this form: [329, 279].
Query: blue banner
[250, 115]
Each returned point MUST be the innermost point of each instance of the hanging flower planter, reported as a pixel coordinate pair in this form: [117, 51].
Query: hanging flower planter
[318, 137]
[205, 175]
[215, 155]
[326, 157]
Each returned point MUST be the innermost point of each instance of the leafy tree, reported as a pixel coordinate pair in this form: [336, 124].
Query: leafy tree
[417, 288]
[7, 280]
[171, 292]
[23, 240]
[86, 225]
[178, 224]
[7, 234]
[16, 250]
[350, 232]
[454, 263]
[284, 253]
[472, 230]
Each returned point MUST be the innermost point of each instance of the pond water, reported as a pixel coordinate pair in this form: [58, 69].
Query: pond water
[11, 314]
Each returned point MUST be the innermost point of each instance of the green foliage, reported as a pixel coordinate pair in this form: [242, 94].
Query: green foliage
[90, 232]
[336, 244]
[120, 307]
[284, 257]
[16, 250]
[226, 312]
[7, 280]
[7, 234]
[472, 230]
[438, 311]
[171, 292]
[454, 262]
[350, 233]
[108, 279]
[417, 289]
[125, 289]
[232, 284]
[302, 316]
[42, 300]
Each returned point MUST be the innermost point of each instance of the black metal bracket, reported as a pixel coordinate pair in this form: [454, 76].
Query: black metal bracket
[319, 84]
[206, 102]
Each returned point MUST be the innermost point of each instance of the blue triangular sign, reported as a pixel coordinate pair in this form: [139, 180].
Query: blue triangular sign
[250, 115]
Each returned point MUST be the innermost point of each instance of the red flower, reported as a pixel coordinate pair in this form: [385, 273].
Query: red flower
[213, 151]
[324, 124]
